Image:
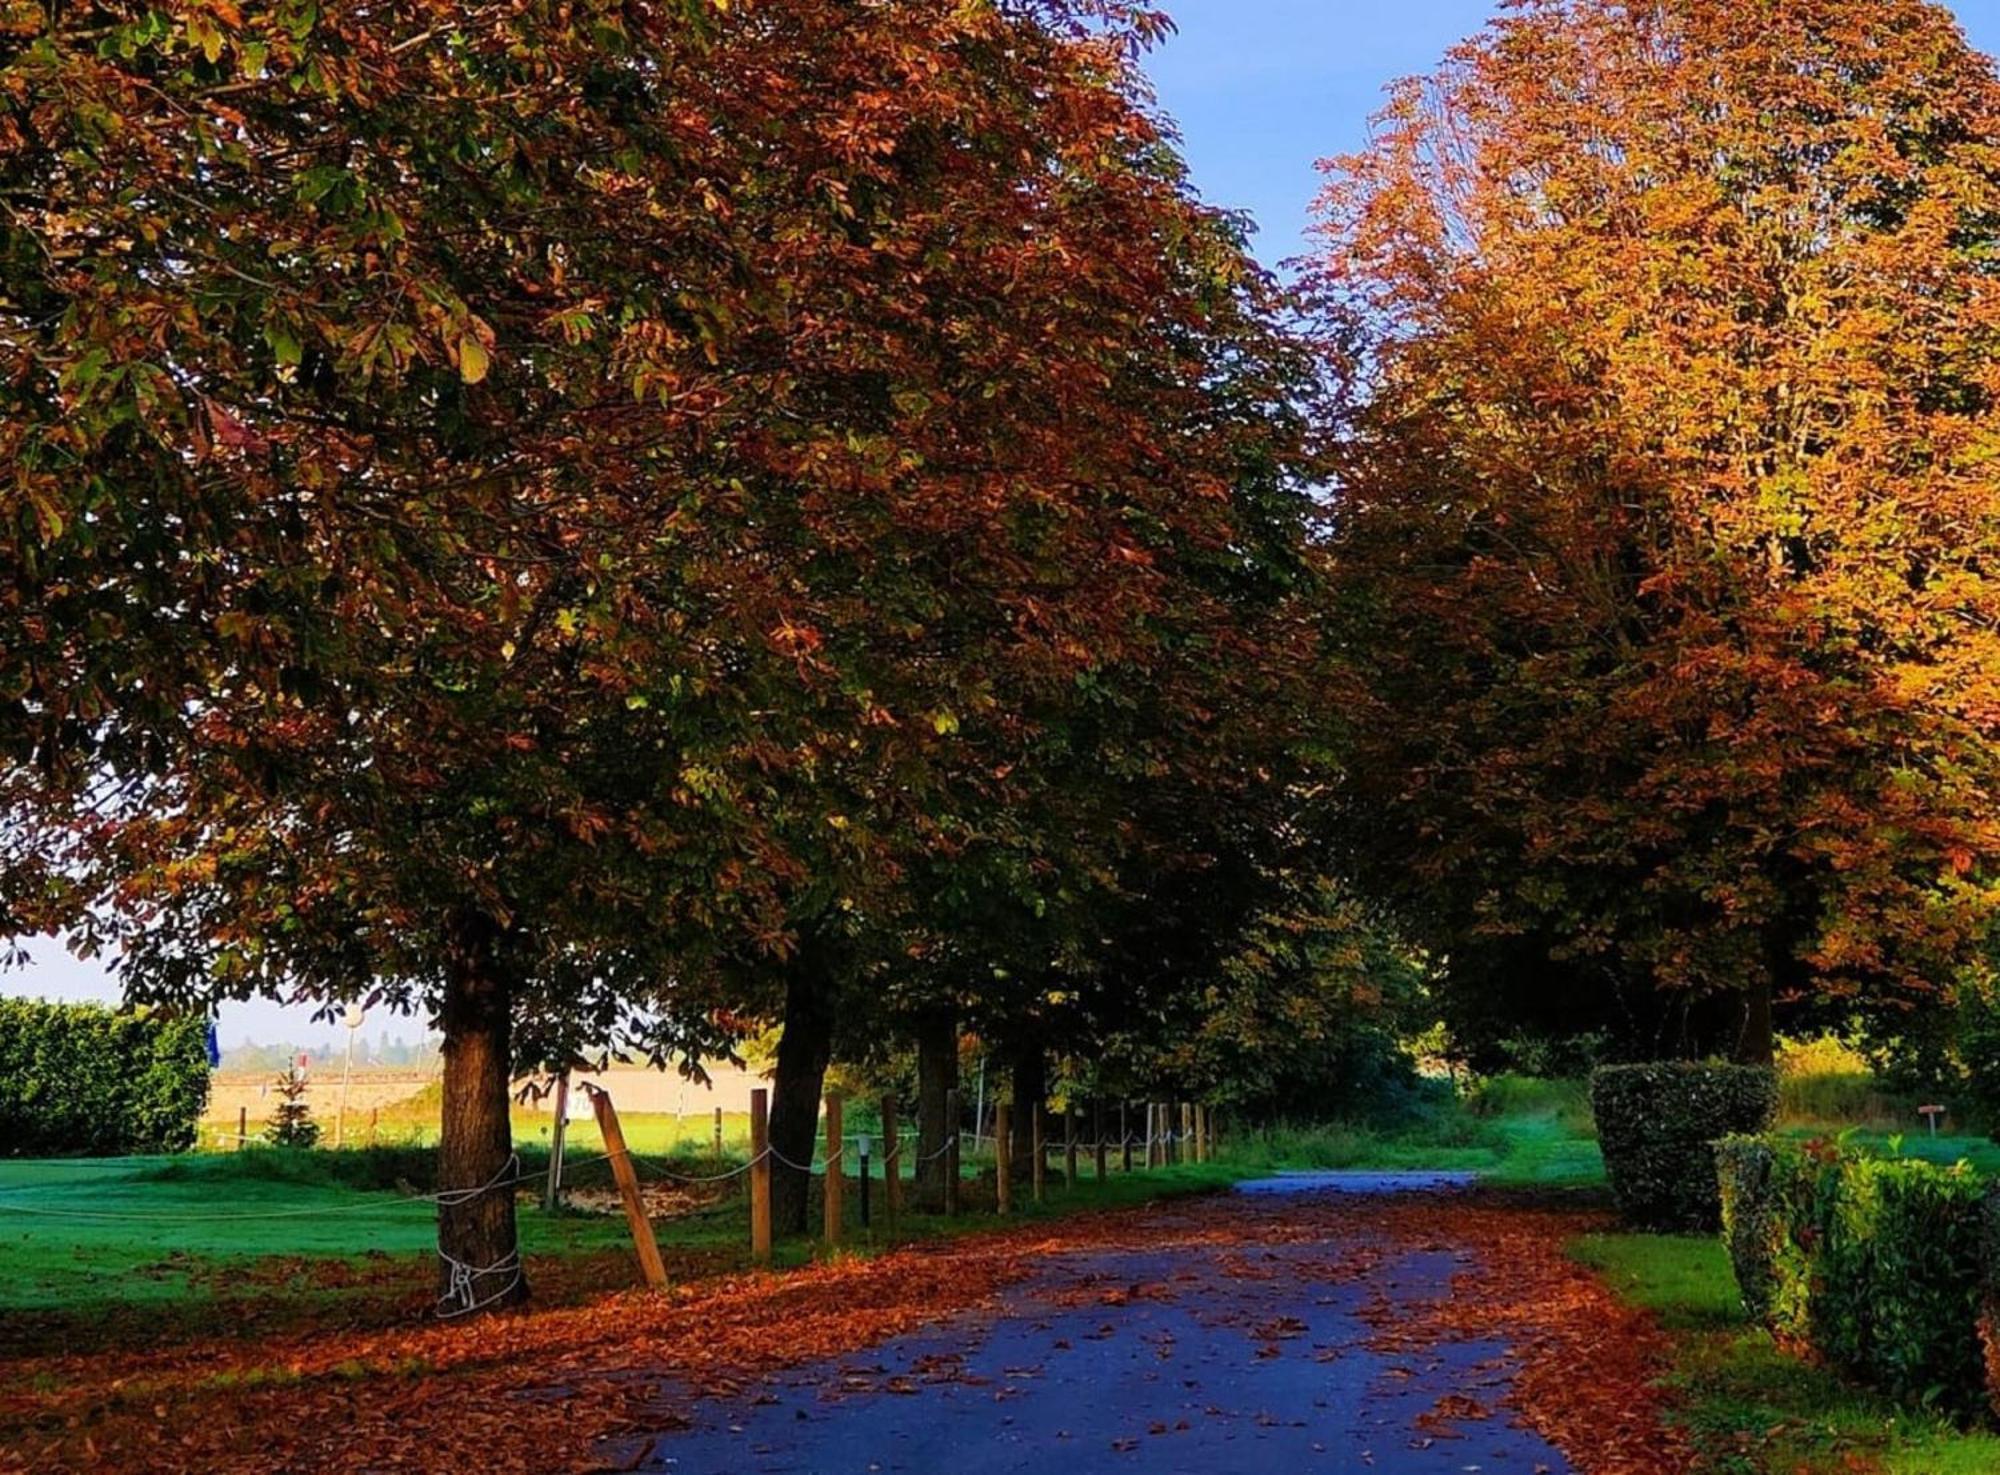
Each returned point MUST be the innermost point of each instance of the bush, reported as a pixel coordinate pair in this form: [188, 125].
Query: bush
[1658, 1124]
[1881, 1266]
[84, 1080]
[1753, 1219]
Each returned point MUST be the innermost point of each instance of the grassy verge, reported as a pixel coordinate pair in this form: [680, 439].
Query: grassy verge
[143, 1251]
[1752, 1408]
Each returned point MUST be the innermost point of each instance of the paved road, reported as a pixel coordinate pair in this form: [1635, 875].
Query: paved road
[1212, 1357]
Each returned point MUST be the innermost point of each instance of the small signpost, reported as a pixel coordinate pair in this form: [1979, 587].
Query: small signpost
[1931, 1115]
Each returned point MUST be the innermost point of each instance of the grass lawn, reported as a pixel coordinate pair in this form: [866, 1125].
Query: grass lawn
[138, 1250]
[1752, 1408]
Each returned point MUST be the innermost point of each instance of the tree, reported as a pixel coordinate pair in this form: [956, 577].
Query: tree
[523, 519]
[1666, 548]
[292, 1123]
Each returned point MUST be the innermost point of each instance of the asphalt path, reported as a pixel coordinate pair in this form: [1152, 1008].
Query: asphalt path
[1251, 1355]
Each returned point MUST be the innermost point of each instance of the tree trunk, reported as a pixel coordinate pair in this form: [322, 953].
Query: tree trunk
[805, 1047]
[937, 1073]
[1031, 1091]
[1756, 1042]
[479, 1266]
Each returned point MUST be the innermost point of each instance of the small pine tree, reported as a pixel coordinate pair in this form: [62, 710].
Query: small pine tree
[292, 1124]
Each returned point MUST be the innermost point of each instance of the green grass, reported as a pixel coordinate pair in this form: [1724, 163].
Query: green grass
[1513, 1131]
[1751, 1407]
[123, 1251]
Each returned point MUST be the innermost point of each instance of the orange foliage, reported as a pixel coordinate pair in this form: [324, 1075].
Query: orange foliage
[1673, 502]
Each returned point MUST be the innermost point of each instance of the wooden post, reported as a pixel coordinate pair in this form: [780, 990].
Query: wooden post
[1124, 1138]
[1152, 1136]
[374, 1117]
[628, 1187]
[552, 1194]
[952, 1108]
[861, 1173]
[1039, 1151]
[836, 1171]
[892, 1163]
[718, 1134]
[1003, 1169]
[1097, 1132]
[1188, 1144]
[1069, 1145]
[760, 1175]
[242, 1127]
[1201, 1145]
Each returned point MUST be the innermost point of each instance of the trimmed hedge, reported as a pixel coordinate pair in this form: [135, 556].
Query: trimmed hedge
[81, 1080]
[1658, 1125]
[1881, 1266]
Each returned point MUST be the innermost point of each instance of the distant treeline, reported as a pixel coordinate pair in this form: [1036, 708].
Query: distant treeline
[383, 1052]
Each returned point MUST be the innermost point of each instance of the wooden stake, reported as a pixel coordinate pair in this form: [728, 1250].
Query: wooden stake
[242, 1127]
[892, 1163]
[552, 1194]
[1003, 1170]
[1039, 1150]
[836, 1172]
[1124, 1138]
[1201, 1133]
[952, 1108]
[1069, 1145]
[628, 1187]
[760, 1176]
[1097, 1132]
[1187, 1133]
[718, 1134]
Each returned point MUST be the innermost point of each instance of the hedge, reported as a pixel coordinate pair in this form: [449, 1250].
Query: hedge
[1658, 1125]
[84, 1080]
[1883, 1267]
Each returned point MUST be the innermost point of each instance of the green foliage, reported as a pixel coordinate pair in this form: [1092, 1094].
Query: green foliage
[84, 1080]
[1657, 1125]
[1753, 1221]
[1752, 1407]
[292, 1124]
[1874, 1262]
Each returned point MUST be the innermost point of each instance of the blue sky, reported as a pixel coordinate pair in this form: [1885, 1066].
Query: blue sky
[1262, 89]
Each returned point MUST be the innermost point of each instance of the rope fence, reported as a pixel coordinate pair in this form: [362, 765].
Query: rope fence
[469, 1288]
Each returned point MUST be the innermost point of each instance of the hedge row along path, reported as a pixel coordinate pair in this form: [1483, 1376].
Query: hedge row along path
[1426, 1332]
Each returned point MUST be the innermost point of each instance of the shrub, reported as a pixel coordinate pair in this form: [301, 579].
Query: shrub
[1658, 1124]
[1753, 1218]
[1881, 1266]
[84, 1080]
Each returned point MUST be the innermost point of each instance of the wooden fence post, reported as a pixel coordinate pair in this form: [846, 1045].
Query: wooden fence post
[1003, 1170]
[953, 1107]
[1124, 1138]
[892, 1163]
[628, 1187]
[718, 1134]
[552, 1193]
[242, 1127]
[1097, 1132]
[1069, 1145]
[760, 1176]
[1201, 1143]
[836, 1171]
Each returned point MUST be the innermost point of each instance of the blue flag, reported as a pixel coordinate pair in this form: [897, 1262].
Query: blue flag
[214, 1047]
